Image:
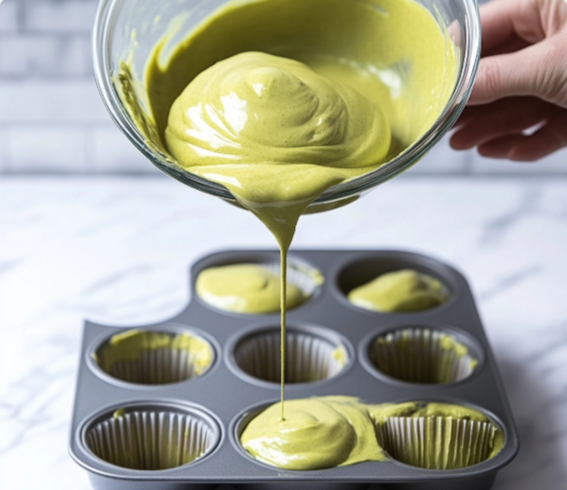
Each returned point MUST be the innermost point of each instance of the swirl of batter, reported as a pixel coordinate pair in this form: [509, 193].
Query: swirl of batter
[329, 431]
[317, 433]
[258, 108]
[245, 288]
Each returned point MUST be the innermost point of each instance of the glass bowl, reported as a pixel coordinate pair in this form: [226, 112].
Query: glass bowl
[129, 29]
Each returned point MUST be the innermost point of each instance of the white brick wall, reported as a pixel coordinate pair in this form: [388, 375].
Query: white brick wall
[45, 148]
[45, 55]
[52, 118]
[9, 16]
[51, 101]
[58, 15]
[3, 152]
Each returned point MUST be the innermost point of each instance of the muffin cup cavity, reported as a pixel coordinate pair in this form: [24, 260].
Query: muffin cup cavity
[152, 437]
[310, 355]
[304, 280]
[240, 423]
[438, 443]
[422, 355]
[154, 357]
[439, 288]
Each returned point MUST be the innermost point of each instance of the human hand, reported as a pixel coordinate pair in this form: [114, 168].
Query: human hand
[521, 82]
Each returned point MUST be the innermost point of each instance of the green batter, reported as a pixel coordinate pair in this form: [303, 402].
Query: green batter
[399, 291]
[334, 431]
[245, 288]
[371, 77]
[230, 104]
[130, 345]
[317, 433]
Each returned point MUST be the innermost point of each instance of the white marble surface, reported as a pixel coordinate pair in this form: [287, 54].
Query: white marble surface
[116, 251]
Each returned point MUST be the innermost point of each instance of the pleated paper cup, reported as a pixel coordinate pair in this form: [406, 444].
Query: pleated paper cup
[309, 357]
[154, 358]
[422, 355]
[152, 437]
[438, 443]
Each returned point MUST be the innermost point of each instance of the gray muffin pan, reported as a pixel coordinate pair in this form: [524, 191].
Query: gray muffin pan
[205, 414]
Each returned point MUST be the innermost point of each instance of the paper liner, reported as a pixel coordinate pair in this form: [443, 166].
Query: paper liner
[422, 355]
[150, 439]
[438, 443]
[308, 357]
[154, 366]
[306, 278]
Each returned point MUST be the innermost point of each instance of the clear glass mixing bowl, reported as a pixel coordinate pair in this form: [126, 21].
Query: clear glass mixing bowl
[122, 25]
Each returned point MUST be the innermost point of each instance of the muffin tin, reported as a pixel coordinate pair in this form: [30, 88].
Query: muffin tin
[185, 434]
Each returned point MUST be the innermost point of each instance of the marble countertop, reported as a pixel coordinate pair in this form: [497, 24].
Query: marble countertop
[116, 251]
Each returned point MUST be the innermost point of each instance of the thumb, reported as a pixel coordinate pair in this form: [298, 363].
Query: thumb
[539, 70]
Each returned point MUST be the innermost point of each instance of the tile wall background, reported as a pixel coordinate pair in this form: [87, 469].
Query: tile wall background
[53, 121]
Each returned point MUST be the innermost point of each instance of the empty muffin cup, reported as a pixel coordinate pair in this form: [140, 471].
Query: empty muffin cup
[309, 356]
[422, 355]
[439, 436]
[152, 437]
[154, 357]
[254, 288]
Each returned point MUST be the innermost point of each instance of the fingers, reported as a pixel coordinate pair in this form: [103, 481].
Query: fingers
[521, 82]
[505, 19]
[552, 136]
[481, 124]
[496, 22]
[470, 112]
[539, 70]
[500, 147]
[513, 43]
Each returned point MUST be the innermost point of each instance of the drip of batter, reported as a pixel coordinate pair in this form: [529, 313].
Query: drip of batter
[279, 100]
[277, 134]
